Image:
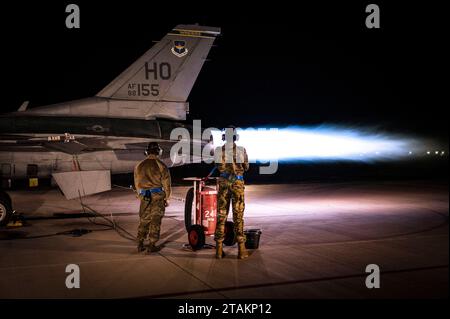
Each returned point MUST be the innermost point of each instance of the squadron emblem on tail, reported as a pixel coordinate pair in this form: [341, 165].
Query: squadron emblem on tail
[179, 48]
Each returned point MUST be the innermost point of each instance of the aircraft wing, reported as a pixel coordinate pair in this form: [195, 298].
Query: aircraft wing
[68, 148]
[173, 157]
[81, 145]
[64, 143]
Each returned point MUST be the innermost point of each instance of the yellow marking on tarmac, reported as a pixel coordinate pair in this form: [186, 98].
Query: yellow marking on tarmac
[191, 36]
[197, 31]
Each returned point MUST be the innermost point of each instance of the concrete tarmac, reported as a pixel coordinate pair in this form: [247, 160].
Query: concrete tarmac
[317, 239]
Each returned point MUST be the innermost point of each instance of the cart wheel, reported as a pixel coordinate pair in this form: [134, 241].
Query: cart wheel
[188, 208]
[196, 237]
[230, 238]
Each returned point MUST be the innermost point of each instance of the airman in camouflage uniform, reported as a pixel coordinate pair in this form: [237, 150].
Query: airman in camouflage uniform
[231, 161]
[152, 182]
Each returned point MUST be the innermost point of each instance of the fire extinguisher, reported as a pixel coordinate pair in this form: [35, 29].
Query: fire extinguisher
[200, 213]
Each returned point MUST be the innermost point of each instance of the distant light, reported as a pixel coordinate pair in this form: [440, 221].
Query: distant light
[428, 152]
[437, 152]
[442, 153]
[410, 153]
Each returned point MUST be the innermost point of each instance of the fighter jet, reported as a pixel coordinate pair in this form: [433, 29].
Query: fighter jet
[81, 143]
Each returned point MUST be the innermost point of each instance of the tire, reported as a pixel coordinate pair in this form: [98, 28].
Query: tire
[196, 237]
[5, 208]
[230, 238]
[188, 208]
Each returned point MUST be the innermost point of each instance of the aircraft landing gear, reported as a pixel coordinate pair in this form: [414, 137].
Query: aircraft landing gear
[5, 208]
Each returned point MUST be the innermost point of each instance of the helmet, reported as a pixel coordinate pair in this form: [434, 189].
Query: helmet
[227, 130]
[153, 148]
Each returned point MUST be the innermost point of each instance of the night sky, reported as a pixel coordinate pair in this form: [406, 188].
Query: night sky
[281, 65]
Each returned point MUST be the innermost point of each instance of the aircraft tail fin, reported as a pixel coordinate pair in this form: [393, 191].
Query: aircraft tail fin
[168, 70]
[23, 107]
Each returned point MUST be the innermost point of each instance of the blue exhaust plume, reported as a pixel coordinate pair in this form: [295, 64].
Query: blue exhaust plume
[326, 143]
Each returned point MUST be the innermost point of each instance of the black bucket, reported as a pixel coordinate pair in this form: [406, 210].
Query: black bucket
[253, 236]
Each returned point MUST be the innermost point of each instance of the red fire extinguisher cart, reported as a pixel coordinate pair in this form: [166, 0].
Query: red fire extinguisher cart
[200, 213]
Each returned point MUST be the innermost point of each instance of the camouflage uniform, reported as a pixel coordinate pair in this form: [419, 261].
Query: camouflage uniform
[232, 161]
[148, 174]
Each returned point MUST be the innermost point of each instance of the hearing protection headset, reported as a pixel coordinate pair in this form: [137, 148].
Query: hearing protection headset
[227, 129]
[153, 148]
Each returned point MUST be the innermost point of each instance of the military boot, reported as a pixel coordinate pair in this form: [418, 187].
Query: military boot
[152, 248]
[242, 251]
[219, 250]
[140, 246]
